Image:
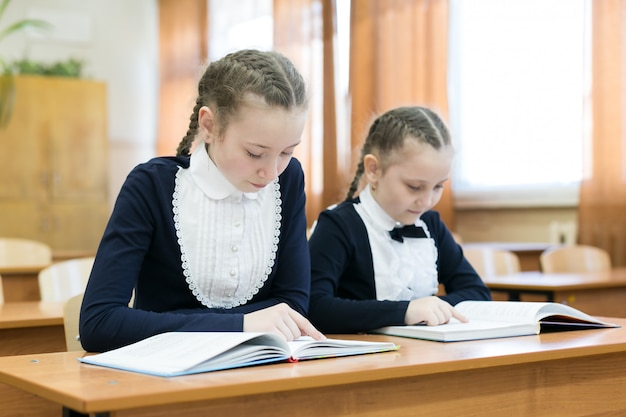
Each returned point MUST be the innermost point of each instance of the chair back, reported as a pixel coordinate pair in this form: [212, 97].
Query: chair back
[575, 258]
[62, 280]
[1, 291]
[491, 262]
[16, 252]
[71, 314]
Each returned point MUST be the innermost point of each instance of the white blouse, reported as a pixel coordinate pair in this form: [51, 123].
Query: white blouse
[228, 239]
[402, 270]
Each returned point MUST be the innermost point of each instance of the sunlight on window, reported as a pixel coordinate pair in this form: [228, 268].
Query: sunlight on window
[239, 24]
[517, 86]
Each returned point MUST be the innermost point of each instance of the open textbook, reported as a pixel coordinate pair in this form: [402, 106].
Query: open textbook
[493, 319]
[182, 353]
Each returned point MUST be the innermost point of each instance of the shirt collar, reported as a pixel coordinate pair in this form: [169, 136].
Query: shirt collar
[209, 179]
[375, 212]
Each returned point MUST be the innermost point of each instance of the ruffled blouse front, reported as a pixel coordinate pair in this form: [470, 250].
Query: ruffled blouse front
[228, 239]
[402, 270]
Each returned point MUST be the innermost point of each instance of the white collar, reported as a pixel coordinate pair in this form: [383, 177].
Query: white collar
[209, 179]
[375, 212]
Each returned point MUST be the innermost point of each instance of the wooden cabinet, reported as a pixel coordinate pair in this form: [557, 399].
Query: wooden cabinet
[54, 161]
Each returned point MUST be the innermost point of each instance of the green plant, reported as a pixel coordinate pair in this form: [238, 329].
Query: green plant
[68, 68]
[7, 83]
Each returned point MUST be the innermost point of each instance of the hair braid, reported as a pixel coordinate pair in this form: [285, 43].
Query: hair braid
[387, 135]
[226, 83]
[184, 147]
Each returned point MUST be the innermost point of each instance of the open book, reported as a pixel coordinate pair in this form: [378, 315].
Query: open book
[493, 319]
[182, 353]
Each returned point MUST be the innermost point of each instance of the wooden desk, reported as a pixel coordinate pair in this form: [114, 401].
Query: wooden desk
[31, 327]
[601, 293]
[579, 373]
[527, 252]
[20, 283]
[64, 255]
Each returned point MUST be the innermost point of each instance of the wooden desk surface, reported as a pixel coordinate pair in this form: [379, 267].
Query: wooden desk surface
[31, 327]
[579, 373]
[21, 269]
[598, 294]
[517, 247]
[534, 280]
[30, 314]
[528, 253]
[20, 283]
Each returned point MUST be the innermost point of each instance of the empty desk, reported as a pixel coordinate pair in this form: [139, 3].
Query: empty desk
[20, 282]
[31, 327]
[595, 293]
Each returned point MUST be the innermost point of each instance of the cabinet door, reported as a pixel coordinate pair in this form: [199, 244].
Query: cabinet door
[77, 140]
[76, 226]
[23, 162]
[24, 219]
[54, 163]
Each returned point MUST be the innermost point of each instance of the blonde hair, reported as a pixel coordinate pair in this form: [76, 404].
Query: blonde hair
[388, 132]
[226, 84]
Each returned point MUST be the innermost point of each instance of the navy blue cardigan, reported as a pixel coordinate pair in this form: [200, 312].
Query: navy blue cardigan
[140, 250]
[343, 291]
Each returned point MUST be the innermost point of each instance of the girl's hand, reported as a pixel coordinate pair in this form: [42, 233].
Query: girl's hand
[280, 319]
[431, 311]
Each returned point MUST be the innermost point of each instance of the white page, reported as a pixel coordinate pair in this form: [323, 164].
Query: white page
[517, 311]
[334, 347]
[520, 311]
[172, 352]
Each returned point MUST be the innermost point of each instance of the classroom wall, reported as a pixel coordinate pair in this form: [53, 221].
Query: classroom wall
[118, 42]
[552, 225]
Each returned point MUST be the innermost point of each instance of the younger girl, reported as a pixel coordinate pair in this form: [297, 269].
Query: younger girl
[213, 239]
[377, 259]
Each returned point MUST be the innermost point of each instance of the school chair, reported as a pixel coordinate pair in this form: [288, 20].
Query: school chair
[492, 262]
[71, 314]
[575, 258]
[62, 280]
[17, 252]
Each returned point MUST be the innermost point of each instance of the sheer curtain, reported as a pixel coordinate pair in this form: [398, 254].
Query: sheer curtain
[304, 30]
[182, 53]
[602, 207]
[398, 56]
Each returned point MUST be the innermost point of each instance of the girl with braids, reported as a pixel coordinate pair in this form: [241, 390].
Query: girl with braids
[213, 239]
[377, 259]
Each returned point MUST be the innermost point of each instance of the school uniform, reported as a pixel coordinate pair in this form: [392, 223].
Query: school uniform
[198, 253]
[363, 279]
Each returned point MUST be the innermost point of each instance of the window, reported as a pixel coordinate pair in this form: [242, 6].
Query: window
[517, 87]
[239, 24]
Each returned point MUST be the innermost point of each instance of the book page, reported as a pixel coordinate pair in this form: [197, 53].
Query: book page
[457, 331]
[510, 311]
[523, 311]
[565, 314]
[174, 351]
[306, 347]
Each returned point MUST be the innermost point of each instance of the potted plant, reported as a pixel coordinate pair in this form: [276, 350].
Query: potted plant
[7, 83]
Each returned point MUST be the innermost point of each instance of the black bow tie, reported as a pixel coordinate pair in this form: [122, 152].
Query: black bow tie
[399, 233]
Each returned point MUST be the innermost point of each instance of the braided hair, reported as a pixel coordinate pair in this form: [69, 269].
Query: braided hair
[225, 83]
[388, 132]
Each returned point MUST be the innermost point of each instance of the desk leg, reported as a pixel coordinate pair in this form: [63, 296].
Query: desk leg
[68, 412]
[517, 295]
